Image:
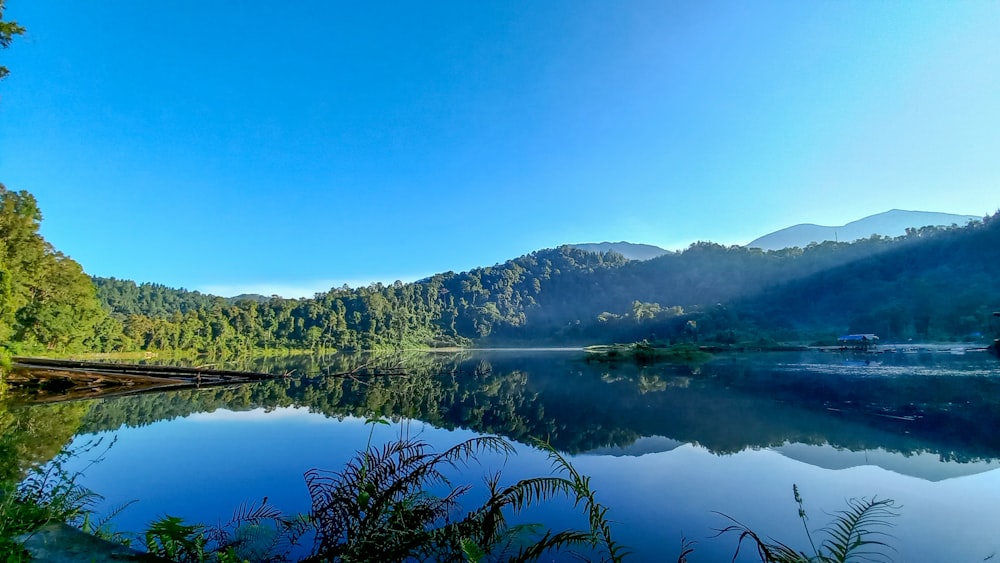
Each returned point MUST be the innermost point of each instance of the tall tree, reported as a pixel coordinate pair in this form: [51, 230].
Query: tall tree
[46, 301]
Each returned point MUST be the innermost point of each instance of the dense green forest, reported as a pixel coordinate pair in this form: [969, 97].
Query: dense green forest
[933, 283]
[942, 288]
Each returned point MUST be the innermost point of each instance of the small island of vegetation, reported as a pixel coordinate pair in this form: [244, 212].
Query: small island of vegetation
[646, 352]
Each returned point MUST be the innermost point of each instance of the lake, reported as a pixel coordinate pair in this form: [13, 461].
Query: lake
[669, 448]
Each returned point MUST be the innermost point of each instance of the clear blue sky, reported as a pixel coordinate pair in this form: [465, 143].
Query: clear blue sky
[287, 147]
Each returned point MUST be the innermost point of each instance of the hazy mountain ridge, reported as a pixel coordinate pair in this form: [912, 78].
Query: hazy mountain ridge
[630, 250]
[891, 223]
[248, 297]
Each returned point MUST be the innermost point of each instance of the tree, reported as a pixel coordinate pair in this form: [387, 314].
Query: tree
[21, 251]
[8, 29]
[46, 301]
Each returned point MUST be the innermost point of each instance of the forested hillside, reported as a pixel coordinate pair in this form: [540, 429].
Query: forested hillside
[933, 283]
[568, 296]
[443, 310]
[944, 287]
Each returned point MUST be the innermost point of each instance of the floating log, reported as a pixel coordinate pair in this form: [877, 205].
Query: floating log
[51, 380]
[55, 380]
[144, 372]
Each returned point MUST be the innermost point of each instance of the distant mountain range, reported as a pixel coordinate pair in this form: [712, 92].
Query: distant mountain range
[629, 250]
[891, 223]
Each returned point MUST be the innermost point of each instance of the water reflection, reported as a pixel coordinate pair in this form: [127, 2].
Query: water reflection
[666, 445]
[944, 406]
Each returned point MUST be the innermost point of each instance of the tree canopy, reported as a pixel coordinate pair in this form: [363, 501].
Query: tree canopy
[46, 301]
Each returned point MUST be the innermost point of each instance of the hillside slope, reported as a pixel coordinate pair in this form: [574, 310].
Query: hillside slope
[944, 287]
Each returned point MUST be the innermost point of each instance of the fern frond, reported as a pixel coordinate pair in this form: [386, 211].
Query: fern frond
[851, 529]
[252, 513]
[600, 527]
[377, 508]
[856, 533]
[527, 492]
[559, 541]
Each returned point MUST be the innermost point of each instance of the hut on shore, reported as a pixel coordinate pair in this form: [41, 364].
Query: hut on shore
[859, 341]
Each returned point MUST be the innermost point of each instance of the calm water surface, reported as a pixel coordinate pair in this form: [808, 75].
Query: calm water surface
[667, 447]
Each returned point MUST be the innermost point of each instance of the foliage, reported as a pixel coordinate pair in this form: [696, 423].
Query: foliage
[170, 537]
[8, 29]
[46, 301]
[49, 493]
[856, 533]
[382, 507]
[258, 533]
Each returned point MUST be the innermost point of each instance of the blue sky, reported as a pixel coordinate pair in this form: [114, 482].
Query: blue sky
[288, 147]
